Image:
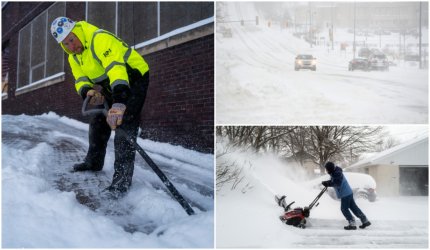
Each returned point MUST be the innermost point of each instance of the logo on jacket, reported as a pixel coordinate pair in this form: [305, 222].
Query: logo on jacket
[107, 52]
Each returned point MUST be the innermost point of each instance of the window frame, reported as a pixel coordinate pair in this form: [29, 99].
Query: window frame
[159, 38]
[46, 80]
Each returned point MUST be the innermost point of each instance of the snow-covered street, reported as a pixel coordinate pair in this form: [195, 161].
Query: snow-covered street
[256, 82]
[40, 195]
[247, 216]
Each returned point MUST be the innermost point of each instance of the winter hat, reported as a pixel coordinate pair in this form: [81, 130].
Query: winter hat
[329, 166]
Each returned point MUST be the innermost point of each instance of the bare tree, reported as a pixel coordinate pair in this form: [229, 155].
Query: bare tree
[337, 142]
[317, 143]
[227, 171]
[386, 143]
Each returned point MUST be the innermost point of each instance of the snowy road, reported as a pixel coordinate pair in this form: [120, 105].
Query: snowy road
[42, 197]
[256, 82]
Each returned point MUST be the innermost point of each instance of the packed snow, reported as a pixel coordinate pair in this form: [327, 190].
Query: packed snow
[40, 207]
[248, 217]
[256, 82]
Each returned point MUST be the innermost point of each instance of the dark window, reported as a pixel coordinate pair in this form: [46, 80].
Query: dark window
[174, 15]
[5, 57]
[138, 22]
[102, 15]
[24, 51]
[39, 55]
[38, 47]
[55, 54]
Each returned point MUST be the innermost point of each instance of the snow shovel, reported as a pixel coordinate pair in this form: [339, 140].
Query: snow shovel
[145, 156]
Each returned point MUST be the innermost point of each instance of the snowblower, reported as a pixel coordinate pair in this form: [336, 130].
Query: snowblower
[297, 216]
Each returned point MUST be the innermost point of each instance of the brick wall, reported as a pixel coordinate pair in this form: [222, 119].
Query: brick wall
[180, 101]
[179, 108]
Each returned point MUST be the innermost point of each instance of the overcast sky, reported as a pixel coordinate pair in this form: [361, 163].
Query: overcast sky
[407, 132]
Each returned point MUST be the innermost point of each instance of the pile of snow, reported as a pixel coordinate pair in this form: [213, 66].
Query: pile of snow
[38, 151]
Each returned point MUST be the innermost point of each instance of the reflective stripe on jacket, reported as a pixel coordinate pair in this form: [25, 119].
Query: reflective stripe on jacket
[104, 57]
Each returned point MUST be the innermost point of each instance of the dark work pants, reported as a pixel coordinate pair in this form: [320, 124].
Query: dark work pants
[125, 153]
[347, 203]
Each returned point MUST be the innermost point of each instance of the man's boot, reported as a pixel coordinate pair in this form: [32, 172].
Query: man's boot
[82, 167]
[351, 225]
[85, 166]
[365, 224]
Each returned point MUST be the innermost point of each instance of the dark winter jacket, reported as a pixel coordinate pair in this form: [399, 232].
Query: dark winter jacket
[339, 183]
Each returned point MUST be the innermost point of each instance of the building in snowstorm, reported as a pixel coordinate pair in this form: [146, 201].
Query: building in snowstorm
[175, 38]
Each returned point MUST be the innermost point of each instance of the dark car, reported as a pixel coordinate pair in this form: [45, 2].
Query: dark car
[358, 63]
[378, 61]
[305, 62]
[364, 52]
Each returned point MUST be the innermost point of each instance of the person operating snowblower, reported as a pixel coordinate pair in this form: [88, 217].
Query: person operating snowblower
[344, 192]
[97, 57]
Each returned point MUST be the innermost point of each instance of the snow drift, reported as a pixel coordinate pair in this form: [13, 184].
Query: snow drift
[39, 194]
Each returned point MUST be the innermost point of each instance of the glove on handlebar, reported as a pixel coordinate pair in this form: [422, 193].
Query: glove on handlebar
[325, 183]
[115, 115]
[96, 97]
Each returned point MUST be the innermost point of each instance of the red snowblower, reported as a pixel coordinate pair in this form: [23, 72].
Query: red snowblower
[297, 216]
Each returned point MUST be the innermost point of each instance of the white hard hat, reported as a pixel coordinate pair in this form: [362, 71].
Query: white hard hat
[61, 27]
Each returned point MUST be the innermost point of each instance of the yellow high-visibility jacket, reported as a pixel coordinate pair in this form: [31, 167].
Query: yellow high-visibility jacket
[105, 56]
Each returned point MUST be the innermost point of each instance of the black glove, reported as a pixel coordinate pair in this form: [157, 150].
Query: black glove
[325, 183]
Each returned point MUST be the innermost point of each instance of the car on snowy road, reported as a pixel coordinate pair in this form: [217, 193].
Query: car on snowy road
[363, 185]
[358, 63]
[378, 61]
[364, 52]
[305, 62]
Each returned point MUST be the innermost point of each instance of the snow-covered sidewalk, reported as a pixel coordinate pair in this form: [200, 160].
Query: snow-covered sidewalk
[40, 207]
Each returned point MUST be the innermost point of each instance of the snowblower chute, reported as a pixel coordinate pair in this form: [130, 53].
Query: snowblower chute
[297, 216]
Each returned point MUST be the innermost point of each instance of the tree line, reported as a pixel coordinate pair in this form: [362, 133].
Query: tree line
[316, 143]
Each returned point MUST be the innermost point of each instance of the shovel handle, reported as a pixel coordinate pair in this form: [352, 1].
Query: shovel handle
[89, 112]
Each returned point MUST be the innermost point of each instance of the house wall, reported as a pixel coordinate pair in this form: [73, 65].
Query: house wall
[387, 179]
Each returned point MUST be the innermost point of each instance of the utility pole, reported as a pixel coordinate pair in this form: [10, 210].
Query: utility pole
[353, 45]
[421, 64]
[310, 24]
[332, 31]
[400, 33]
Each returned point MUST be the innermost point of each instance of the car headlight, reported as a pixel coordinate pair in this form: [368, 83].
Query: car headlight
[300, 62]
[314, 62]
